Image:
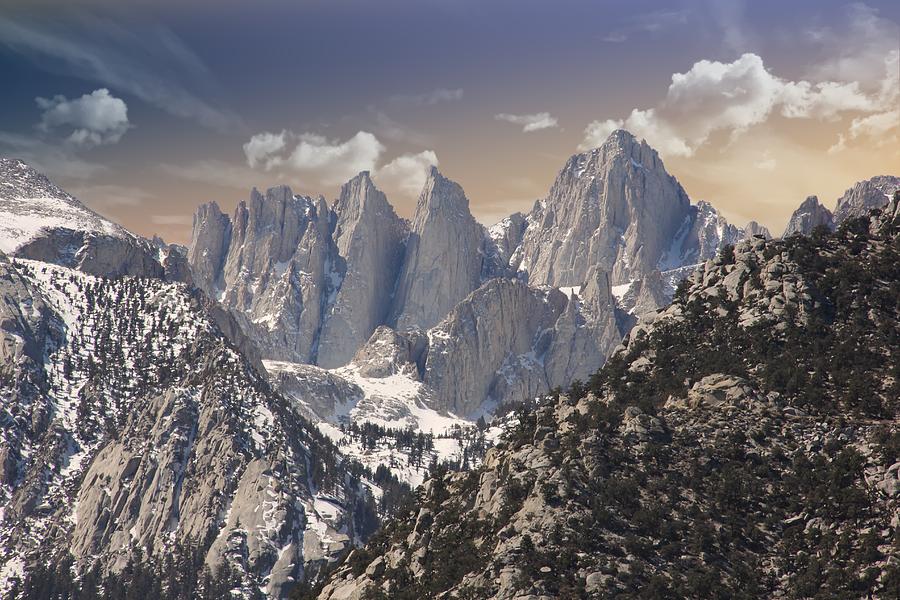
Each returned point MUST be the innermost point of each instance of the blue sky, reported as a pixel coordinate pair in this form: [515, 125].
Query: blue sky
[770, 101]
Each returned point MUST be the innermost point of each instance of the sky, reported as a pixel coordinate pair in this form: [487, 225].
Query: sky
[147, 110]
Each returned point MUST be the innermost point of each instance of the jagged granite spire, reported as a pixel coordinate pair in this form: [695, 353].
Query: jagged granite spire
[809, 215]
[369, 238]
[444, 255]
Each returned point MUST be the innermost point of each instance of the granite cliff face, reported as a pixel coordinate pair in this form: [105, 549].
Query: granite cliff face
[857, 201]
[444, 255]
[369, 238]
[272, 264]
[615, 226]
[614, 207]
[809, 215]
[864, 196]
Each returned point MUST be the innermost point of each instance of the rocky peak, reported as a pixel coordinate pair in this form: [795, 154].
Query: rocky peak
[809, 215]
[210, 239]
[614, 207]
[444, 255]
[369, 238]
[864, 196]
[40, 221]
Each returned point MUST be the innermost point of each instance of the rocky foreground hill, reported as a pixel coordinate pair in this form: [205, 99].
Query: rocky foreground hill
[742, 443]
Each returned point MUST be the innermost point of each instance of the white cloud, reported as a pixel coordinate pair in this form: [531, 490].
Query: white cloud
[881, 129]
[333, 161]
[532, 122]
[96, 118]
[263, 147]
[407, 172]
[436, 96]
[732, 97]
[323, 160]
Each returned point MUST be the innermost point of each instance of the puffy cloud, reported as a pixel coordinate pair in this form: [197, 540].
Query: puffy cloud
[263, 147]
[408, 172]
[715, 96]
[533, 122]
[333, 161]
[324, 160]
[882, 128]
[96, 118]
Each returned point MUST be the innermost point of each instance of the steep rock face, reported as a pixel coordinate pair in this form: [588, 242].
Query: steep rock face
[703, 459]
[508, 342]
[42, 222]
[502, 327]
[130, 421]
[809, 215]
[369, 237]
[864, 196]
[272, 265]
[614, 207]
[210, 241]
[444, 255]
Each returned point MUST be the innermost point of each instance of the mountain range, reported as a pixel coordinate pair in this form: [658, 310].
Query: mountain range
[242, 411]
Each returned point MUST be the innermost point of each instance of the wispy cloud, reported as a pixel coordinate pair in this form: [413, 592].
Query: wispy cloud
[153, 65]
[529, 123]
[647, 23]
[393, 130]
[436, 96]
[52, 158]
[216, 172]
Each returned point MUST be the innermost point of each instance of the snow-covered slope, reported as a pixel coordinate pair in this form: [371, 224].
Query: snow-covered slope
[30, 205]
[341, 398]
[40, 221]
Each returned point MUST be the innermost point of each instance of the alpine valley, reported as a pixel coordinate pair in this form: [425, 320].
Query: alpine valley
[617, 394]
